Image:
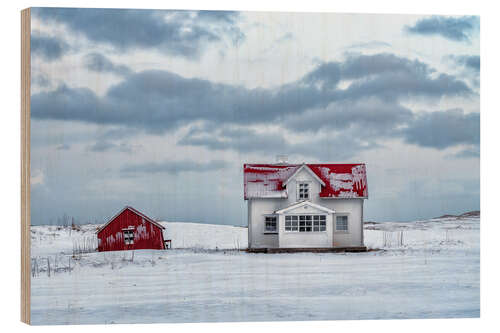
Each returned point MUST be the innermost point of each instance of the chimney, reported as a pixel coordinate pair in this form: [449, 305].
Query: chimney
[282, 159]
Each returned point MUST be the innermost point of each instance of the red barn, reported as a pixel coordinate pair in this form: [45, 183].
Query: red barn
[130, 230]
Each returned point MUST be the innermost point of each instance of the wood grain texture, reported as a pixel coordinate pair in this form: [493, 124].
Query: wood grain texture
[25, 165]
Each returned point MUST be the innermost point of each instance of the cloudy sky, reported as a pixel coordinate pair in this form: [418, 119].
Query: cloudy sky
[160, 109]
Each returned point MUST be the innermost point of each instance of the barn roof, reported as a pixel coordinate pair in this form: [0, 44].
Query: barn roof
[135, 211]
[339, 180]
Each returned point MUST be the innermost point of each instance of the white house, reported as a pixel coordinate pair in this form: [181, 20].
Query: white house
[305, 205]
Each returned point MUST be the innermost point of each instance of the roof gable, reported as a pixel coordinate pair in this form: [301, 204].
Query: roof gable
[135, 211]
[305, 204]
[340, 180]
[306, 168]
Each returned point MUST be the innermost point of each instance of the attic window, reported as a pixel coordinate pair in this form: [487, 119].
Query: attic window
[128, 236]
[303, 191]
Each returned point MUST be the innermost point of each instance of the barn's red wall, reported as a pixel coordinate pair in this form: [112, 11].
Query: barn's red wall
[146, 234]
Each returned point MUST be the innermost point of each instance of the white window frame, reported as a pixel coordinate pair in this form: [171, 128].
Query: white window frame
[268, 231]
[307, 187]
[305, 223]
[346, 230]
[128, 235]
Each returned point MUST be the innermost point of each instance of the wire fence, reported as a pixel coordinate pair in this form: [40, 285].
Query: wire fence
[393, 239]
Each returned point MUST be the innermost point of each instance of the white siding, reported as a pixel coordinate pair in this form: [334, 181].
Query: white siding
[257, 208]
[353, 208]
[305, 239]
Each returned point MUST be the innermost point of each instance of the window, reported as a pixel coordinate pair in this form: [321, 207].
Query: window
[341, 223]
[319, 223]
[128, 236]
[305, 223]
[271, 225]
[303, 191]
[291, 223]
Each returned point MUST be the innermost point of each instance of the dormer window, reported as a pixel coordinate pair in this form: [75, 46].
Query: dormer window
[303, 191]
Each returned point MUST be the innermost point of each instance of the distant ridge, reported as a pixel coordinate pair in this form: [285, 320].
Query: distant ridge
[474, 213]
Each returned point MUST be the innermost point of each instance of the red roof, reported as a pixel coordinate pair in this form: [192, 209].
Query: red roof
[341, 180]
[133, 210]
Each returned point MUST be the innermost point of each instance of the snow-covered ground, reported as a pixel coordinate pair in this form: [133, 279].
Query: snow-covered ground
[424, 269]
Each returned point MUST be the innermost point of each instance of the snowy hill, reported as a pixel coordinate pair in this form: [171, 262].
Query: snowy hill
[50, 240]
[205, 236]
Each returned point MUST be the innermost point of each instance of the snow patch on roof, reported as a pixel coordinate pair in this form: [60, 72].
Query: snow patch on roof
[262, 181]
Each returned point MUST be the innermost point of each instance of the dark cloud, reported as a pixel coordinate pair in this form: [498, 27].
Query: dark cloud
[370, 116]
[452, 28]
[473, 152]
[325, 76]
[48, 48]
[40, 80]
[359, 66]
[182, 33]
[65, 103]
[471, 62]
[443, 129]
[348, 130]
[245, 140]
[98, 63]
[108, 146]
[175, 167]
[396, 86]
[157, 101]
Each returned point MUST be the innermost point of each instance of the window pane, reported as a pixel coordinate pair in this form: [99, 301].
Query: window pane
[270, 223]
[322, 217]
[341, 223]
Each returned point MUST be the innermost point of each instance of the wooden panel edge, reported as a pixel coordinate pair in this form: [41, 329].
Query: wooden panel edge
[25, 166]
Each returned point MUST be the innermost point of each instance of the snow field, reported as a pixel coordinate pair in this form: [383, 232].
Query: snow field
[432, 273]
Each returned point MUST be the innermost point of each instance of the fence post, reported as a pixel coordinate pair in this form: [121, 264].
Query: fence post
[48, 266]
